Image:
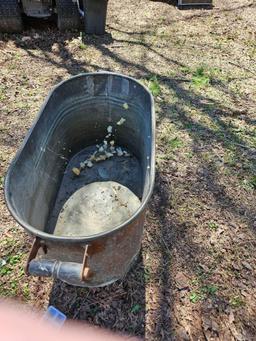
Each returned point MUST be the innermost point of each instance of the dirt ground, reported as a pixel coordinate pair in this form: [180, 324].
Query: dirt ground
[195, 279]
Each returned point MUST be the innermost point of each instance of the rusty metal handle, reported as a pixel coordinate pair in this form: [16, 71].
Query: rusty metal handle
[36, 245]
[55, 268]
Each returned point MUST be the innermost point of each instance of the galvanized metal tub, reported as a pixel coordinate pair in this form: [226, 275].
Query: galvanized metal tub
[73, 117]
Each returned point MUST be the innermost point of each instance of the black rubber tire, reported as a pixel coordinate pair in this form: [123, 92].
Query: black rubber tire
[68, 15]
[10, 16]
[95, 13]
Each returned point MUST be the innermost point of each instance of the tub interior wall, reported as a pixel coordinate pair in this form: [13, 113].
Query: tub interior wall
[76, 116]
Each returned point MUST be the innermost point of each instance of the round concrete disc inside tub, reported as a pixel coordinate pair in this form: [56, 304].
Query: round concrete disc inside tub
[95, 208]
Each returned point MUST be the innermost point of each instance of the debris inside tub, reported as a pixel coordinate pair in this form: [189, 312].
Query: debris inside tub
[109, 129]
[89, 163]
[125, 106]
[121, 121]
[76, 171]
[105, 150]
[95, 208]
[126, 171]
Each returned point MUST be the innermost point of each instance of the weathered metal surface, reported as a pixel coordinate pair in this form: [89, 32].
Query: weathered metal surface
[36, 245]
[75, 116]
[102, 261]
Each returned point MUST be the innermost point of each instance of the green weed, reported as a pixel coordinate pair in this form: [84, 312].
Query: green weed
[189, 154]
[6, 266]
[8, 242]
[186, 70]
[175, 143]
[2, 93]
[11, 290]
[236, 302]
[17, 55]
[202, 293]
[82, 46]
[154, 86]
[1, 181]
[13, 66]
[201, 274]
[252, 181]
[230, 158]
[213, 225]
[249, 184]
[94, 310]
[209, 289]
[14, 285]
[195, 297]
[202, 290]
[13, 260]
[26, 291]
[136, 308]
[146, 275]
[200, 77]
[5, 270]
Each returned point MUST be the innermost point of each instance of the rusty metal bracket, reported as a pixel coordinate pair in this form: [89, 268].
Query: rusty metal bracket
[85, 273]
[36, 245]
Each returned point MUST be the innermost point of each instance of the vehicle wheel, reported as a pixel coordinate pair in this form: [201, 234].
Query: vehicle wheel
[10, 16]
[68, 15]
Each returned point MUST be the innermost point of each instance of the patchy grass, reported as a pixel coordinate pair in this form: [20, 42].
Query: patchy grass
[252, 181]
[26, 291]
[2, 93]
[8, 265]
[205, 75]
[249, 184]
[203, 293]
[236, 302]
[200, 77]
[13, 280]
[175, 143]
[1, 182]
[195, 297]
[202, 288]
[147, 274]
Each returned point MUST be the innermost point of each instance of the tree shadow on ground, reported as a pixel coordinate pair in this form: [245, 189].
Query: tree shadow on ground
[212, 109]
[119, 306]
